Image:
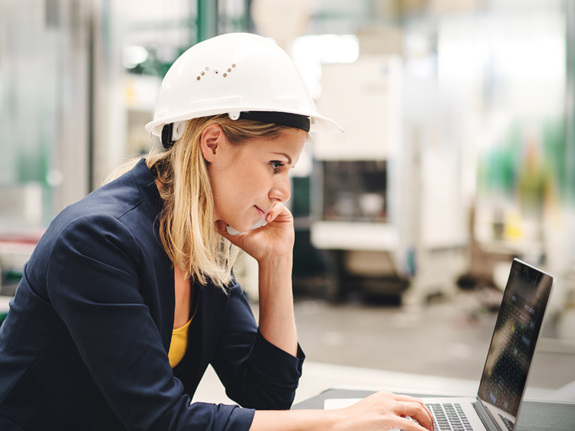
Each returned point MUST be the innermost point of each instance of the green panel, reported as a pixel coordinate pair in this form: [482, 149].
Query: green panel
[207, 19]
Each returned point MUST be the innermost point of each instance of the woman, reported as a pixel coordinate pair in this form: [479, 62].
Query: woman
[129, 295]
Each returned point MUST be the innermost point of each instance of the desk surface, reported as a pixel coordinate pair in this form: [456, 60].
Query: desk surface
[534, 415]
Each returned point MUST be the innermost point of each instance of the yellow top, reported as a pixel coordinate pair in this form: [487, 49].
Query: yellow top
[179, 344]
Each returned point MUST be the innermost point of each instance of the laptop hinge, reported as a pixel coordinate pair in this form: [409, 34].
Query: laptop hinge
[486, 417]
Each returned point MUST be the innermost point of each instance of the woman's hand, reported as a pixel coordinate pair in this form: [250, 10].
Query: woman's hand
[383, 411]
[275, 239]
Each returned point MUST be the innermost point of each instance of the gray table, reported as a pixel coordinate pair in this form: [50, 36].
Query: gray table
[534, 415]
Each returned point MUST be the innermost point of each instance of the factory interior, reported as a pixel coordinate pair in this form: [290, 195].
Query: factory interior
[458, 156]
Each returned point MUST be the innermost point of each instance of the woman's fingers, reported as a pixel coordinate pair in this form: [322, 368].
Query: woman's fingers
[408, 424]
[417, 409]
[410, 413]
[419, 412]
[277, 210]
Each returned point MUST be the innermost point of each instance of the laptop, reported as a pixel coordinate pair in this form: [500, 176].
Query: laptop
[496, 407]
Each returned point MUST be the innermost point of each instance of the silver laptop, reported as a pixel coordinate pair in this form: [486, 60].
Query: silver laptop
[496, 407]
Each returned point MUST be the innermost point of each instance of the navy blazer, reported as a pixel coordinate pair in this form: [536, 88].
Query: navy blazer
[84, 346]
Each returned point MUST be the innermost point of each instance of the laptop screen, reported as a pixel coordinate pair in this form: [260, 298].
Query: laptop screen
[513, 344]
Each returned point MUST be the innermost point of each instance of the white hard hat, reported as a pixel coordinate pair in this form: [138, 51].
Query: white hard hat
[239, 74]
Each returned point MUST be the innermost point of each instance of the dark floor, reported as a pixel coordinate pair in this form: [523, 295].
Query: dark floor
[446, 338]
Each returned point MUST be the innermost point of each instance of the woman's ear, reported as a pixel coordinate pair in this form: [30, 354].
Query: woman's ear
[211, 141]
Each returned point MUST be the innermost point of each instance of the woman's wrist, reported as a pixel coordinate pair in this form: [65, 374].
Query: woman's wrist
[276, 266]
[294, 420]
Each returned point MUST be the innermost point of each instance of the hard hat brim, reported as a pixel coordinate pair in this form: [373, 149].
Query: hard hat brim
[319, 123]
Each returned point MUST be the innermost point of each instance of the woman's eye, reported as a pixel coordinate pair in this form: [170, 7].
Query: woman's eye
[276, 164]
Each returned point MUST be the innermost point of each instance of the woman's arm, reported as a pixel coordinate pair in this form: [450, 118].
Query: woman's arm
[255, 372]
[272, 247]
[260, 364]
[381, 411]
[276, 313]
[95, 284]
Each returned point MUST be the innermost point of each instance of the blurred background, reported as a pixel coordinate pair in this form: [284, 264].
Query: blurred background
[459, 155]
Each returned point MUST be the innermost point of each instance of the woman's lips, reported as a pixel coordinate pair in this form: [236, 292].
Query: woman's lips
[261, 212]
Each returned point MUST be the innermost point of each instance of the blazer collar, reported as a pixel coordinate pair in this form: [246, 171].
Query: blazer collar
[145, 182]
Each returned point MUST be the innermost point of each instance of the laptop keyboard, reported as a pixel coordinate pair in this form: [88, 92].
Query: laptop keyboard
[507, 422]
[449, 417]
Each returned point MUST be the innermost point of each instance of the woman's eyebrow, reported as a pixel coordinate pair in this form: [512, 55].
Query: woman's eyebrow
[285, 155]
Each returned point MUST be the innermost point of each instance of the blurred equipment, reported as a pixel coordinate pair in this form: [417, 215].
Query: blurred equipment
[20, 230]
[282, 20]
[384, 207]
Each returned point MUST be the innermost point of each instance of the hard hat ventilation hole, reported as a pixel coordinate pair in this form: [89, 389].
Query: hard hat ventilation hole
[229, 70]
[215, 71]
[203, 73]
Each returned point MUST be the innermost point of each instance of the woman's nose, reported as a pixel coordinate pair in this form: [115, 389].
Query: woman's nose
[281, 189]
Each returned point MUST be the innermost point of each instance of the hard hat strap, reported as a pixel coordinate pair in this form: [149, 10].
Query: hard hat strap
[172, 132]
[167, 141]
[282, 118]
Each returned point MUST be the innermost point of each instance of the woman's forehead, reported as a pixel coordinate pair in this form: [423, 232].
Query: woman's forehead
[288, 145]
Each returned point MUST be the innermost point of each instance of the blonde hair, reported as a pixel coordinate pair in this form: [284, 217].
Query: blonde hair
[186, 223]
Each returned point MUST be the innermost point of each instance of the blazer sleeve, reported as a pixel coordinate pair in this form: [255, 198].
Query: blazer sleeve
[93, 285]
[255, 373]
